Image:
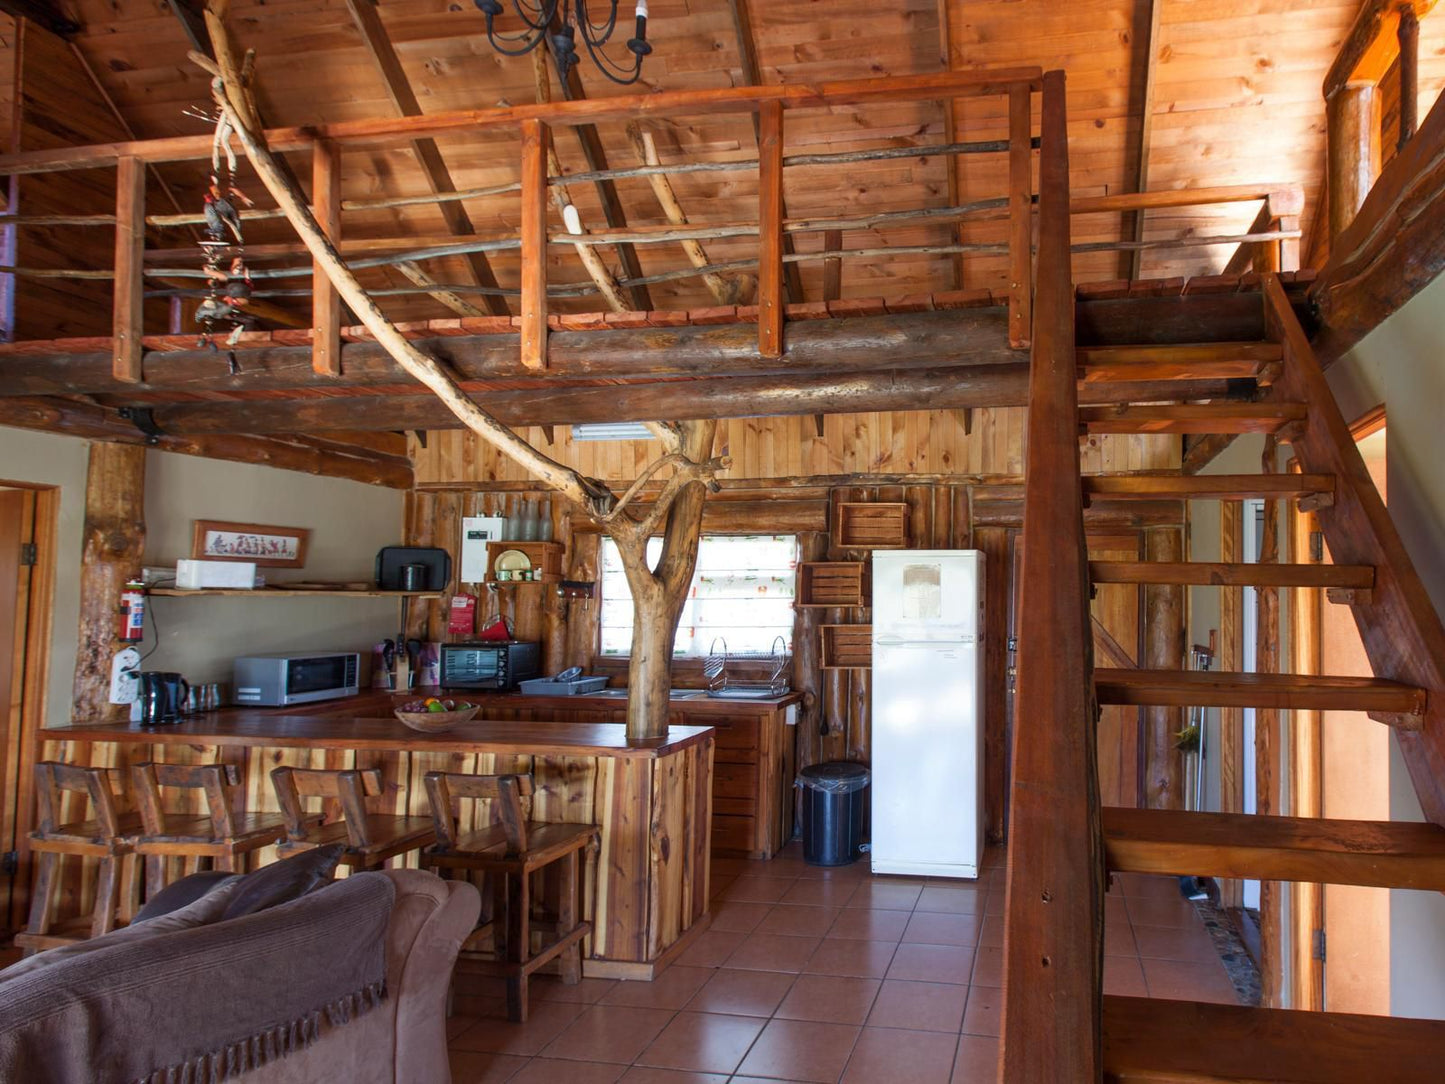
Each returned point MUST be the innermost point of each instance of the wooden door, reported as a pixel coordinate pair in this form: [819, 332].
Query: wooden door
[17, 521]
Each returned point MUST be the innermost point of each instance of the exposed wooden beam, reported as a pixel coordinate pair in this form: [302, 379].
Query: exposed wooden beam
[438, 177]
[1259, 690]
[1394, 247]
[747, 46]
[1021, 219]
[325, 301]
[832, 268]
[1132, 262]
[450, 298]
[1372, 44]
[535, 137]
[193, 25]
[1407, 37]
[128, 308]
[42, 13]
[596, 158]
[1206, 487]
[770, 232]
[950, 130]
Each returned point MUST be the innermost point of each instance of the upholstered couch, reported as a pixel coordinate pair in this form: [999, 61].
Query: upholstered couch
[196, 973]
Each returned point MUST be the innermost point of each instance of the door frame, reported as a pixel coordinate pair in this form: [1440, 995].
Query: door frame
[21, 749]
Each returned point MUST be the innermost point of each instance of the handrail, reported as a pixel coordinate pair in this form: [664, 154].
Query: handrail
[1053, 936]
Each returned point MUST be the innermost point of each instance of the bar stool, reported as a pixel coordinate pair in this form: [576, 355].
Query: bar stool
[219, 834]
[109, 836]
[371, 839]
[510, 852]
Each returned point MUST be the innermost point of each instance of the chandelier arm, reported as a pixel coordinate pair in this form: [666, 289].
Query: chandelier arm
[598, 33]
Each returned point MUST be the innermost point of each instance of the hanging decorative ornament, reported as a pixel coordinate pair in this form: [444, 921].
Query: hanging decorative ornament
[223, 253]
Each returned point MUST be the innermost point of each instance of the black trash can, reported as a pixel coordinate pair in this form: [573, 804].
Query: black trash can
[834, 812]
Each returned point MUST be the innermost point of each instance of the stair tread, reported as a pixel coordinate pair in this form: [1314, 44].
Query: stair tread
[1223, 688]
[1385, 854]
[1158, 1039]
[1207, 486]
[1190, 418]
[1189, 361]
[1221, 573]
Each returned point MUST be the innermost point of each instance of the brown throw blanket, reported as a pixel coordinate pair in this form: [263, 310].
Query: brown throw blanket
[200, 1005]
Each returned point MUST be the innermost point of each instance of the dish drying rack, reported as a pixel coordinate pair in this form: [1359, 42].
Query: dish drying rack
[721, 683]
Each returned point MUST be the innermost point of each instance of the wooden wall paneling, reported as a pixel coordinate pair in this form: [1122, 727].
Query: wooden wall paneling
[1164, 649]
[624, 795]
[994, 542]
[1267, 753]
[1231, 720]
[668, 853]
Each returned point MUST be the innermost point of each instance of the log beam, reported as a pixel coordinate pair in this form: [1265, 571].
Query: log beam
[128, 312]
[534, 245]
[770, 232]
[325, 301]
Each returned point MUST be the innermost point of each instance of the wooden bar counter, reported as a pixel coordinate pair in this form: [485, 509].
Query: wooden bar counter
[646, 890]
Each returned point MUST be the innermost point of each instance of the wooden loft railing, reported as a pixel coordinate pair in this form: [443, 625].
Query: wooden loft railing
[533, 124]
[1053, 936]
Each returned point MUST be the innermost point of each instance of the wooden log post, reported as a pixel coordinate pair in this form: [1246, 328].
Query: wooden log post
[1353, 138]
[1267, 741]
[1164, 636]
[1020, 216]
[1408, 36]
[534, 244]
[770, 230]
[325, 301]
[114, 540]
[129, 299]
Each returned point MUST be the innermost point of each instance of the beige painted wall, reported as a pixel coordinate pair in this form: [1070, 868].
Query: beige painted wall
[43, 459]
[1402, 364]
[349, 522]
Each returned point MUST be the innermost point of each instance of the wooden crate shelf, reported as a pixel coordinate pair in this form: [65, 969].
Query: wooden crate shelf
[546, 558]
[870, 525]
[847, 647]
[830, 583]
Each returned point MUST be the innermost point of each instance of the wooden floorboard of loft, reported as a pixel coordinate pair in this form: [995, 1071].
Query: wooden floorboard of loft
[1223, 689]
[1222, 574]
[1384, 854]
[1203, 487]
[1189, 361]
[1155, 1040]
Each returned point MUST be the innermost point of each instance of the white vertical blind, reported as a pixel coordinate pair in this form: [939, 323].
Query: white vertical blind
[742, 591]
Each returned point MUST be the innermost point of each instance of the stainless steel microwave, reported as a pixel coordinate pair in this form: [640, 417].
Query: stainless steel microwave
[297, 678]
[490, 664]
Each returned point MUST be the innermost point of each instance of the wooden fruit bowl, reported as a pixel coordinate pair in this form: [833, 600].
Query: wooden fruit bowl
[437, 722]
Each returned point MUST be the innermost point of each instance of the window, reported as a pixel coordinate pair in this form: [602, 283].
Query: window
[742, 591]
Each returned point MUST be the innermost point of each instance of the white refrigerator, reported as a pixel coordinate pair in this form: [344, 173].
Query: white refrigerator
[927, 712]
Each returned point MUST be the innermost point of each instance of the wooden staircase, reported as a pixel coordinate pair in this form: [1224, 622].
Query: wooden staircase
[1057, 1024]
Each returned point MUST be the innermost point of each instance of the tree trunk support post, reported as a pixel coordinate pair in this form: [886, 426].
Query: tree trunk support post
[1353, 140]
[770, 230]
[534, 244]
[325, 301]
[128, 314]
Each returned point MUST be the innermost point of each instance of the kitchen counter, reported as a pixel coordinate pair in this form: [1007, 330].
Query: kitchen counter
[647, 885]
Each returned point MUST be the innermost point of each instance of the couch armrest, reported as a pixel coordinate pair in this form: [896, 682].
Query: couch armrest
[429, 921]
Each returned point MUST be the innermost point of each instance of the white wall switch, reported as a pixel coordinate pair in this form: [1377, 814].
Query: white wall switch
[124, 676]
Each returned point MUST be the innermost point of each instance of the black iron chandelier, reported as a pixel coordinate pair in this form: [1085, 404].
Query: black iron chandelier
[542, 24]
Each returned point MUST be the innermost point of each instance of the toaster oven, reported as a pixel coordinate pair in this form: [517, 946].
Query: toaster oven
[490, 664]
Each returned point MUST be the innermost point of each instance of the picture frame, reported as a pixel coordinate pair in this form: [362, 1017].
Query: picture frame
[261, 544]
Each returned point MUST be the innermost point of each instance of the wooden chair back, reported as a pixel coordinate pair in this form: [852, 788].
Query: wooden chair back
[53, 780]
[213, 780]
[350, 787]
[506, 790]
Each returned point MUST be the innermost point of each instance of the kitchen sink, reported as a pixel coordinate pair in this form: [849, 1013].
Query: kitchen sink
[744, 694]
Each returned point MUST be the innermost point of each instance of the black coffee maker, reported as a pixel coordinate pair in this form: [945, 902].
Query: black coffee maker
[162, 695]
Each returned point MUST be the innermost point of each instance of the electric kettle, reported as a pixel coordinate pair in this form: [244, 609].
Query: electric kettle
[162, 697]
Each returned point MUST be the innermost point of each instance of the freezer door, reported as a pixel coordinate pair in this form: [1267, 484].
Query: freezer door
[927, 595]
[927, 759]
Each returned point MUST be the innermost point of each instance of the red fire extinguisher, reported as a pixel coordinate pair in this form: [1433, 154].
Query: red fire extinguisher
[130, 621]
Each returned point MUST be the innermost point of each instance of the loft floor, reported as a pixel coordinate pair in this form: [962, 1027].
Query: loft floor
[828, 976]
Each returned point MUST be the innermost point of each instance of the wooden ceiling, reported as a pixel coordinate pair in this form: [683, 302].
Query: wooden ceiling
[1231, 89]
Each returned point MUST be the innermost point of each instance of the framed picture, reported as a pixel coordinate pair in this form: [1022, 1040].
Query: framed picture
[272, 547]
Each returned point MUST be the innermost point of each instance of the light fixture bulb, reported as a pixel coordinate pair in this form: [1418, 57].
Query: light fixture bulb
[571, 219]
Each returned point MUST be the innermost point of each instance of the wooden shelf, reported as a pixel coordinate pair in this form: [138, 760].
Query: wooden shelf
[546, 558]
[870, 525]
[830, 583]
[847, 647]
[284, 592]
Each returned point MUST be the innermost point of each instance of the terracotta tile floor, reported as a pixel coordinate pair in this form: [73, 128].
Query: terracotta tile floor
[824, 976]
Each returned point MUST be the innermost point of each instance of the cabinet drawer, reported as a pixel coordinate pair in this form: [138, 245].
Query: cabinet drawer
[735, 781]
[733, 833]
[736, 734]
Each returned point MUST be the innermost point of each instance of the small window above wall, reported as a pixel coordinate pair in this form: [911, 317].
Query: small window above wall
[742, 591]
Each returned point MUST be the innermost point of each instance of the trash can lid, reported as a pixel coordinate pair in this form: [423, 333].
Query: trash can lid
[836, 777]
